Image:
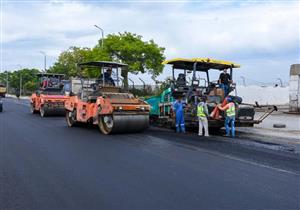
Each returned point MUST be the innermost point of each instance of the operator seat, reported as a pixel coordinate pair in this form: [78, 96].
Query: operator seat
[181, 80]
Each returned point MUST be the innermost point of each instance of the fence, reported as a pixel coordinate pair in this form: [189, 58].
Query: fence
[144, 90]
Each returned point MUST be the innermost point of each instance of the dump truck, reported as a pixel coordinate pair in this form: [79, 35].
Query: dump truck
[198, 70]
[2, 90]
[49, 98]
[105, 102]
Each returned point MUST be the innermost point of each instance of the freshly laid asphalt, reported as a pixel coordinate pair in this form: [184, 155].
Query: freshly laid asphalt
[46, 165]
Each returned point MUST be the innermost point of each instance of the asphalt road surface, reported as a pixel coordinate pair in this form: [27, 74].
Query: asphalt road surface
[46, 165]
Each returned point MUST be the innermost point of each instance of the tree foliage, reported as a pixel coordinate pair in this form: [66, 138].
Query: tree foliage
[29, 79]
[141, 56]
[68, 60]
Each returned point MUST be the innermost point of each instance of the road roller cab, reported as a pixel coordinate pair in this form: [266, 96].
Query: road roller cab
[49, 98]
[104, 101]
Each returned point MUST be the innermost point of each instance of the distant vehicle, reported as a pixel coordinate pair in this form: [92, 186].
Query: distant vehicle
[192, 91]
[105, 103]
[2, 90]
[49, 99]
[1, 105]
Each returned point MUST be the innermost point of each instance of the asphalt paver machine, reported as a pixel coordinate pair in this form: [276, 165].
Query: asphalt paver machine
[49, 98]
[105, 103]
[198, 70]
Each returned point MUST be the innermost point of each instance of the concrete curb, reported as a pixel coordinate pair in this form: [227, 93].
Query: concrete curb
[21, 97]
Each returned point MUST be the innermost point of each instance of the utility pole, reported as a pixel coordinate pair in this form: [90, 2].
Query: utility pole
[102, 34]
[45, 60]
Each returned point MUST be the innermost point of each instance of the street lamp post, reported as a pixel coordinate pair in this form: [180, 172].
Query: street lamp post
[45, 60]
[102, 33]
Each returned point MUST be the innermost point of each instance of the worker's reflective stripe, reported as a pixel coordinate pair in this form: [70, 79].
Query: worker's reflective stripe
[200, 111]
[231, 110]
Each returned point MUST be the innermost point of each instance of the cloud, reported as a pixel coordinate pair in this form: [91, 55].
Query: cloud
[233, 30]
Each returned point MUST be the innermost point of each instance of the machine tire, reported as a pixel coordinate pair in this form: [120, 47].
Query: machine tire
[32, 109]
[106, 124]
[43, 111]
[71, 118]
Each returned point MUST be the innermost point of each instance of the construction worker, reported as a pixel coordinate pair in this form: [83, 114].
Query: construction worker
[178, 107]
[202, 113]
[230, 116]
[107, 77]
[17, 91]
[224, 81]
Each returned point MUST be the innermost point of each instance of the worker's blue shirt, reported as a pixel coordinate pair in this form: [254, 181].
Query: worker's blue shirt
[178, 106]
[107, 78]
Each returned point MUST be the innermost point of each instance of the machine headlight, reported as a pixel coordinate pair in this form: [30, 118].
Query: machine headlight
[120, 108]
[143, 108]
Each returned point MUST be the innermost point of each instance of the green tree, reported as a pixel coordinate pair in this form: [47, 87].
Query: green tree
[28, 77]
[68, 60]
[141, 56]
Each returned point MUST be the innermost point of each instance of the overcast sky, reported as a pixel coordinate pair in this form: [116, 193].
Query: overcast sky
[262, 36]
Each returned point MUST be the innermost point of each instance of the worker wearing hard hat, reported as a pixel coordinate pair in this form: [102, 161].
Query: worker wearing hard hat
[178, 108]
[202, 113]
[230, 116]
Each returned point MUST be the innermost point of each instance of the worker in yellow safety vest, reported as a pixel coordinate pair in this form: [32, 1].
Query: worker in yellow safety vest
[202, 113]
[230, 116]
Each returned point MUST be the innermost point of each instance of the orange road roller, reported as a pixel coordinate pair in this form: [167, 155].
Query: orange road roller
[49, 99]
[105, 102]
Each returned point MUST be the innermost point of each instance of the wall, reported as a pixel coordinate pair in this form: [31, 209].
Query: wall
[264, 95]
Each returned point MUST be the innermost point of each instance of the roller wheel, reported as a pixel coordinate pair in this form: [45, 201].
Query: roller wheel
[71, 118]
[32, 109]
[43, 111]
[106, 124]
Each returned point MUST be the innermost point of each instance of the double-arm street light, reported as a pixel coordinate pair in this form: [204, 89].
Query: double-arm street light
[102, 33]
[45, 60]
